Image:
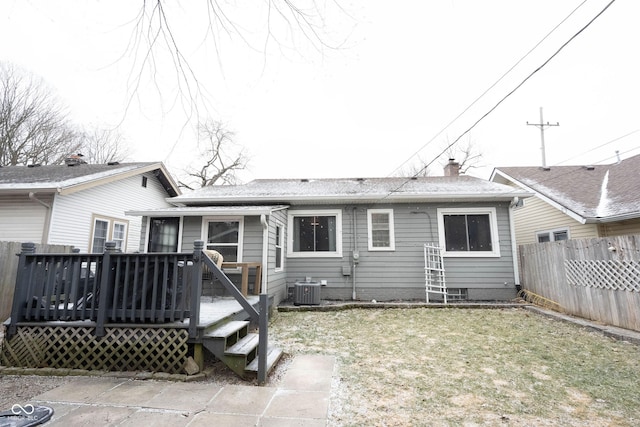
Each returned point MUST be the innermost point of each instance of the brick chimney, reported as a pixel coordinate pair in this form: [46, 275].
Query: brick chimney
[452, 168]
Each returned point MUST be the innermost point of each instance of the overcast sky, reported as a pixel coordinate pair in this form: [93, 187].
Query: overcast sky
[391, 92]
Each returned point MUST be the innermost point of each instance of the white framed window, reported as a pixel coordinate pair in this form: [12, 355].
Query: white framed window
[107, 229]
[380, 230]
[119, 234]
[552, 235]
[279, 246]
[468, 232]
[224, 235]
[100, 235]
[314, 233]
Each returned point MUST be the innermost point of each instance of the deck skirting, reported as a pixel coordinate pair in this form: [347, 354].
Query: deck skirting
[77, 347]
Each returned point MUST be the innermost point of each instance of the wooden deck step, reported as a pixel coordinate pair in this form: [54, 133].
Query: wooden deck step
[227, 329]
[243, 347]
[273, 356]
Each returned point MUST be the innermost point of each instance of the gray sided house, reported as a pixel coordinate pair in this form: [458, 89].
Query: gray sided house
[81, 205]
[363, 239]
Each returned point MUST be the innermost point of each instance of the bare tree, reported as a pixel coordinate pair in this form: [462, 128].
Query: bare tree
[155, 35]
[34, 128]
[221, 155]
[467, 155]
[102, 145]
[418, 168]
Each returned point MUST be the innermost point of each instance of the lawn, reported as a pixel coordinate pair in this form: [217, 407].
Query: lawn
[422, 366]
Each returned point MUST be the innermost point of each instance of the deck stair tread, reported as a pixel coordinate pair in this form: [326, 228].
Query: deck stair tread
[273, 356]
[227, 329]
[243, 347]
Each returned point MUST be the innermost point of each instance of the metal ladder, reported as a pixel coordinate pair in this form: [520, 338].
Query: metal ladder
[434, 271]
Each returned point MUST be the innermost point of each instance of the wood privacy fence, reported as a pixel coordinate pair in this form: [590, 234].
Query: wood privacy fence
[597, 279]
[9, 269]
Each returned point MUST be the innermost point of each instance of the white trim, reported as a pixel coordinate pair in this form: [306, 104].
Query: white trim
[392, 243]
[551, 233]
[280, 225]
[493, 223]
[205, 230]
[315, 212]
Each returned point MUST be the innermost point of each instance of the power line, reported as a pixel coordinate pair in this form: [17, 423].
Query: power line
[599, 146]
[506, 96]
[490, 87]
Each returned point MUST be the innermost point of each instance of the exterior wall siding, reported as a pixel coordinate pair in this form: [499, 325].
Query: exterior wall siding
[71, 219]
[22, 219]
[620, 228]
[277, 280]
[381, 275]
[536, 216]
[399, 274]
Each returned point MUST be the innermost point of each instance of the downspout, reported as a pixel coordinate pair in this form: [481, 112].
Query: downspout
[45, 231]
[265, 252]
[514, 248]
[356, 254]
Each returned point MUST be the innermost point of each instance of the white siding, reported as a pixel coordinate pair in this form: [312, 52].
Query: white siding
[71, 222]
[536, 216]
[22, 219]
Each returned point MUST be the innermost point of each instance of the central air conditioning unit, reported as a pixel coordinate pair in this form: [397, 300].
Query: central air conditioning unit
[306, 293]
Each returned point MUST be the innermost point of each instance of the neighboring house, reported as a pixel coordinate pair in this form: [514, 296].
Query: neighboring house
[80, 204]
[575, 201]
[364, 238]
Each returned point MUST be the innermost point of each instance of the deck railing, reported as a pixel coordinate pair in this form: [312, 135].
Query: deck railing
[105, 288]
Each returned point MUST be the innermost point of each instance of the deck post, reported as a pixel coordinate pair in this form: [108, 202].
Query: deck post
[263, 339]
[105, 288]
[196, 288]
[21, 287]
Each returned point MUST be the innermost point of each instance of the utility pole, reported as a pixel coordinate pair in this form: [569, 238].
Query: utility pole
[541, 126]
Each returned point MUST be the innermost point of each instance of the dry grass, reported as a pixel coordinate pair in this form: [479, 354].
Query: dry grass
[401, 367]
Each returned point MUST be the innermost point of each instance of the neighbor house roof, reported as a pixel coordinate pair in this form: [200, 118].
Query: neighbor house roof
[65, 179]
[599, 193]
[351, 190]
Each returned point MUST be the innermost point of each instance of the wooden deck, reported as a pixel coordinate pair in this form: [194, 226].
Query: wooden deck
[119, 311]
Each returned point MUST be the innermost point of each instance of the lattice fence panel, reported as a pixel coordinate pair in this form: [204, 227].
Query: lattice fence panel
[604, 274]
[121, 349]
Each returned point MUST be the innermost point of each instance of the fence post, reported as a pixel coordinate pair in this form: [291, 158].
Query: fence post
[104, 287]
[263, 338]
[21, 287]
[196, 288]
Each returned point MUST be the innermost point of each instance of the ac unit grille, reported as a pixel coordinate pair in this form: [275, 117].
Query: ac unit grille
[306, 294]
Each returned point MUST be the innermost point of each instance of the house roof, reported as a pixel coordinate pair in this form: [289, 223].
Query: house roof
[352, 190]
[599, 193]
[65, 179]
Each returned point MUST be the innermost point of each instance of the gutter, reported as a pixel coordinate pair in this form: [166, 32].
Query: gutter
[265, 255]
[514, 247]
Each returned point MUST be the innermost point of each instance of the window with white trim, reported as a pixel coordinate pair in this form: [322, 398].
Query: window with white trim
[468, 232]
[314, 233]
[224, 235]
[119, 235]
[552, 235]
[107, 229]
[380, 229]
[279, 246]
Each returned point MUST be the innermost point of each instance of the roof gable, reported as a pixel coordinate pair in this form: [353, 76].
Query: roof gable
[597, 193]
[67, 179]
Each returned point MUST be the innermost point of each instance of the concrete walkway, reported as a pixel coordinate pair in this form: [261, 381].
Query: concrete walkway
[301, 398]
